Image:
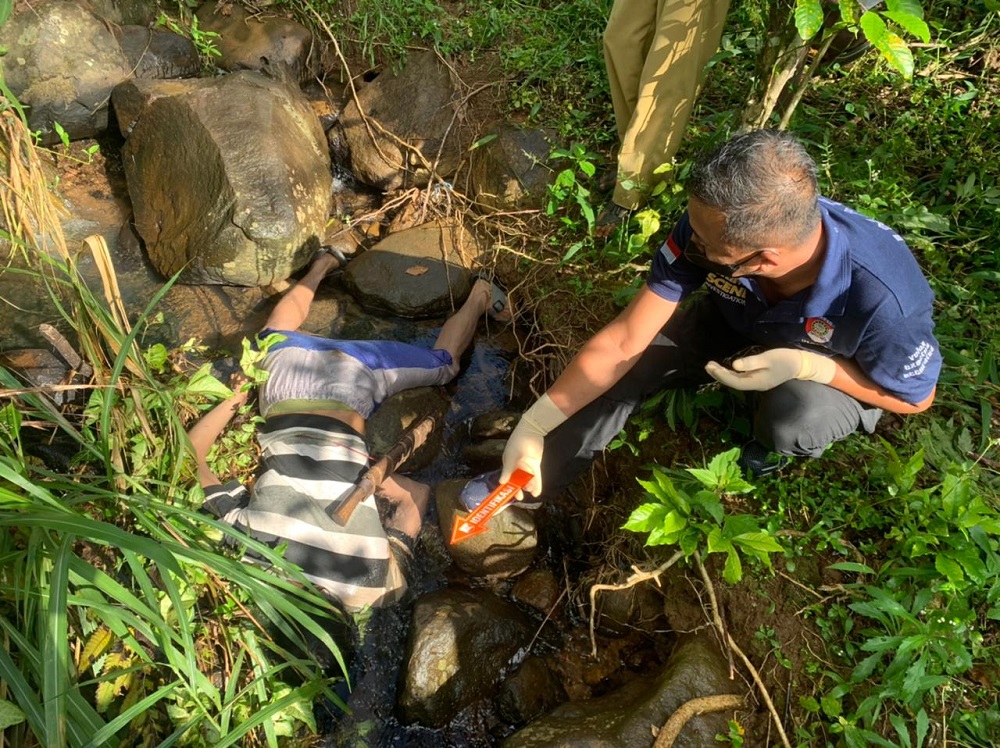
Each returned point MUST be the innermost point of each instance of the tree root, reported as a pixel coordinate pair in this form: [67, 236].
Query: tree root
[728, 639]
[637, 577]
[691, 709]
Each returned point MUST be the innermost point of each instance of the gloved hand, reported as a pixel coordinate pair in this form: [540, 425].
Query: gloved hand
[769, 369]
[527, 440]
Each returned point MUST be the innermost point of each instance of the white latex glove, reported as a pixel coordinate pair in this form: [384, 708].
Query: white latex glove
[769, 369]
[527, 441]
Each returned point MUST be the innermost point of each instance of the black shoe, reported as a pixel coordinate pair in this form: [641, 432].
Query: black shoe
[756, 461]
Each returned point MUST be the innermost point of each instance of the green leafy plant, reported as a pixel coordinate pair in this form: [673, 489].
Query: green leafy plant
[570, 198]
[879, 26]
[687, 511]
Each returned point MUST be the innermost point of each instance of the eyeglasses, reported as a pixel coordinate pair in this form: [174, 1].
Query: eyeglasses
[696, 256]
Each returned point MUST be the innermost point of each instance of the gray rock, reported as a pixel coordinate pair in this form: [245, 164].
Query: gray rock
[420, 106]
[627, 716]
[126, 12]
[494, 424]
[420, 272]
[538, 589]
[461, 645]
[133, 97]
[401, 411]
[506, 549]
[484, 455]
[230, 181]
[530, 692]
[509, 172]
[62, 62]
[40, 368]
[251, 42]
[158, 53]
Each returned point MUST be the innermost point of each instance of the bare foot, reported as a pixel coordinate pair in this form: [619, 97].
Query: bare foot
[494, 300]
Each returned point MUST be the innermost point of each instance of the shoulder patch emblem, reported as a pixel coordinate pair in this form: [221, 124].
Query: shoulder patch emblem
[819, 329]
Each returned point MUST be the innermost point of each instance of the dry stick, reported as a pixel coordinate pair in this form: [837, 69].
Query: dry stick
[690, 709]
[637, 576]
[720, 624]
[797, 96]
[739, 652]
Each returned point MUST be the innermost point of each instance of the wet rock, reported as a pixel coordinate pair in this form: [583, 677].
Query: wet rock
[494, 424]
[420, 272]
[530, 692]
[538, 589]
[628, 716]
[133, 97]
[637, 607]
[126, 12]
[38, 367]
[402, 411]
[418, 106]
[62, 62]
[325, 106]
[484, 455]
[230, 181]
[509, 172]
[250, 42]
[158, 53]
[507, 548]
[461, 645]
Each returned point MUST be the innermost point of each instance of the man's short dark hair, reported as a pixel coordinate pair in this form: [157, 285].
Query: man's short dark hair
[764, 183]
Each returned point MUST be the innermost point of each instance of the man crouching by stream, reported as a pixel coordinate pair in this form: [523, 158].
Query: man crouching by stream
[315, 402]
[834, 304]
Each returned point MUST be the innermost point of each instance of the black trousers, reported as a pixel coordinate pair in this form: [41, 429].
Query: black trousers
[795, 418]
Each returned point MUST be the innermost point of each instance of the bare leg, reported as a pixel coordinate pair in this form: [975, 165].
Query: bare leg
[410, 498]
[292, 310]
[460, 328]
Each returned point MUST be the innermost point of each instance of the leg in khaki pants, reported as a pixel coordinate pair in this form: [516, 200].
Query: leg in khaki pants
[655, 51]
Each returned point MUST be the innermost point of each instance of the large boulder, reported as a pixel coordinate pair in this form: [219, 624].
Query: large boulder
[627, 716]
[509, 171]
[506, 548]
[461, 644]
[158, 53]
[230, 180]
[62, 62]
[419, 272]
[420, 106]
[254, 42]
[401, 412]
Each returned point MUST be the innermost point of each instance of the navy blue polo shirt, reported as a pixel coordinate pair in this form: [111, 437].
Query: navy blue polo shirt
[870, 303]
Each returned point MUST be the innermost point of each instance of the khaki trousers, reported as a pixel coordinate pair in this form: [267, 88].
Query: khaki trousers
[655, 52]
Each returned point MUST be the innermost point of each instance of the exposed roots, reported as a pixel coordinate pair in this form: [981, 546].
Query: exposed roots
[691, 709]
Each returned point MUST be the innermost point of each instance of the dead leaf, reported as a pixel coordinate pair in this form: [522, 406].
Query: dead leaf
[416, 270]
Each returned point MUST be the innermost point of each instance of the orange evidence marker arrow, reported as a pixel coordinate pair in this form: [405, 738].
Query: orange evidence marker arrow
[475, 522]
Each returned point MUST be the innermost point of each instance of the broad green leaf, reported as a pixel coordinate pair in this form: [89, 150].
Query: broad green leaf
[645, 517]
[808, 18]
[911, 7]
[674, 523]
[5, 8]
[923, 727]
[711, 504]
[733, 572]
[850, 10]
[897, 53]
[831, 706]
[874, 29]
[758, 541]
[910, 23]
[716, 543]
[203, 383]
[951, 570]
[901, 730]
[10, 715]
[706, 476]
[852, 566]
[971, 563]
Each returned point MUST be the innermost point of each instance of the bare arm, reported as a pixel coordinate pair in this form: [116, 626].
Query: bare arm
[609, 355]
[850, 380]
[207, 430]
